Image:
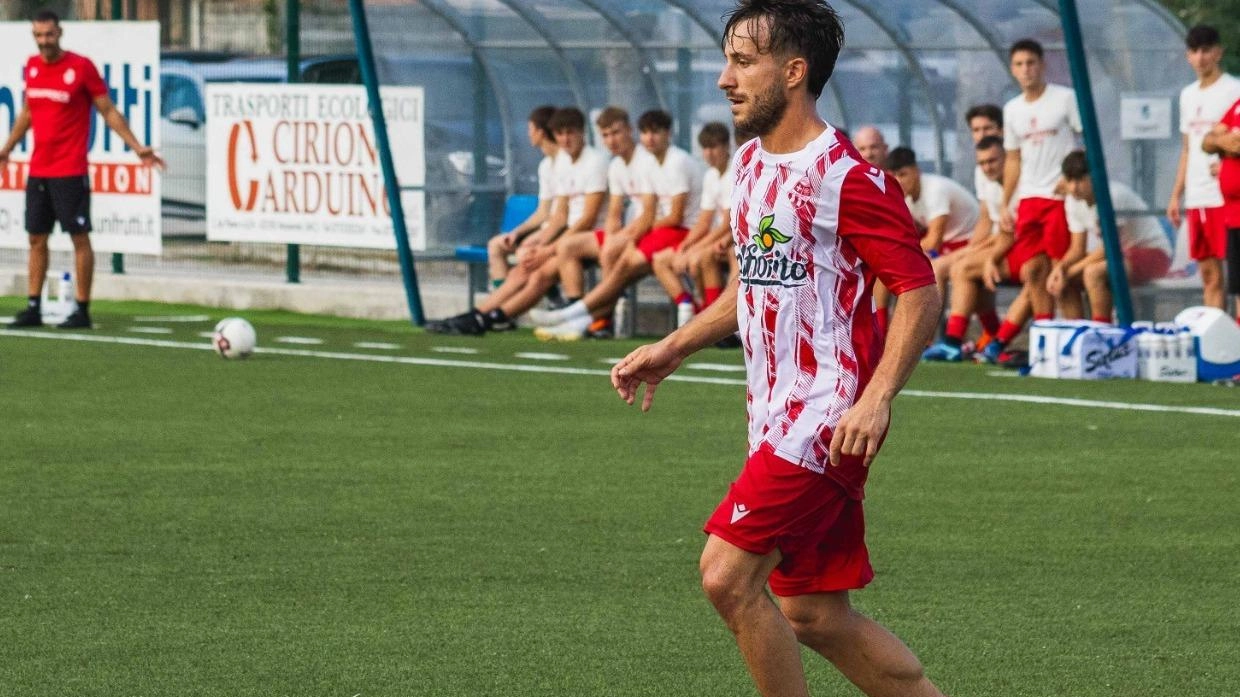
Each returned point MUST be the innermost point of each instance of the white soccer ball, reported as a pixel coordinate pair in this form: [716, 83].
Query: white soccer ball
[234, 338]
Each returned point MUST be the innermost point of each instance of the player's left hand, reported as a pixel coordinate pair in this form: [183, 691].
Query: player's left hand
[649, 364]
[860, 430]
[1055, 281]
[150, 158]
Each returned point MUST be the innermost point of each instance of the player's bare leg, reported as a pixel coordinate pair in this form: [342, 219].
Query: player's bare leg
[573, 251]
[1098, 286]
[942, 271]
[516, 279]
[1033, 276]
[735, 583]
[874, 659]
[36, 265]
[84, 265]
[535, 288]
[661, 265]
[1069, 301]
[497, 258]
[1212, 282]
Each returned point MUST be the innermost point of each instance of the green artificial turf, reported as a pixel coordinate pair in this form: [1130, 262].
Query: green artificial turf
[175, 524]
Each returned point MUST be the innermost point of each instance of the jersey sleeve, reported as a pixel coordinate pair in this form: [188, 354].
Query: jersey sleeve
[596, 174]
[679, 179]
[710, 191]
[91, 81]
[937, 201]
[1011, 141]
[1077, 213]
[1074, 112]
[1185, 115]
[875, 221]
[546, 177]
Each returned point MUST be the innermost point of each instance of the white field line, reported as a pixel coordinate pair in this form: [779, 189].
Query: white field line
[565, 370]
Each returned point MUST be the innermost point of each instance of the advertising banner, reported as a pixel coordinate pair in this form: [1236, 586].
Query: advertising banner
[124, 193]
[299, 164]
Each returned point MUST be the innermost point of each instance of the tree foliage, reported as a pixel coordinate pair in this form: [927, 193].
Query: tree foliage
[1223, 15]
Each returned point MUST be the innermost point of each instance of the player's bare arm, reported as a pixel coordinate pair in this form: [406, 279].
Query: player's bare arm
[1222, 141]
[861, 428]
[20, 126]
[1177, 190]
[651, 363]
[116, 121]
[676, 216]
[935, 229]
[991, 276]
[1011, 179]
[982, 230]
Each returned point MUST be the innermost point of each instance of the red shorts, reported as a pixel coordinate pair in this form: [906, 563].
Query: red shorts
[817, 527]
[1146, 264]
[1046, 220]
[949, 247]
[1024, 249]
[661, 238]
[1207, 233]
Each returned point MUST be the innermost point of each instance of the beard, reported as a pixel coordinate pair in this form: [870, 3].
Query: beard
[767, 109]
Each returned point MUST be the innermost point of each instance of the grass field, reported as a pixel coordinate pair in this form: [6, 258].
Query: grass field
[410, 519]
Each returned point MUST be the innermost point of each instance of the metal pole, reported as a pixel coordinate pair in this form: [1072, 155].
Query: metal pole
[366, 60]
[1097, 160]
[292, 41]
[118, 259]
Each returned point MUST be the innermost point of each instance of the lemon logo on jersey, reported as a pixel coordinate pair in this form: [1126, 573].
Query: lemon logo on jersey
[764, 262]
[768, 235]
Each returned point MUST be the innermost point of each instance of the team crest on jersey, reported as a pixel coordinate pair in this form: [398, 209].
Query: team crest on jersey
[70, 76]
[34, 72]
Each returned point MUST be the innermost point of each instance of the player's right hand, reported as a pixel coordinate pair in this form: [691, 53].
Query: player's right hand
[1006, 222]
[4, 158]
[990, 275]
[1173, 212]
[648, 365]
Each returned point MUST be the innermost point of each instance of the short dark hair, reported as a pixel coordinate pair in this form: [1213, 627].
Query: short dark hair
[986, 111]
[899, 158]
[654, 120]
[540, 117]
[1075, 166]
[989, 142]
[611, 116]
[1026, 45]
[567, 118]
[46, 16]
[713, 134]
[1202, 36]
[810, 29]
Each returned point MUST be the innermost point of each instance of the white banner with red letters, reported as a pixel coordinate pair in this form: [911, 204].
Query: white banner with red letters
[125, 193]
[299, 164]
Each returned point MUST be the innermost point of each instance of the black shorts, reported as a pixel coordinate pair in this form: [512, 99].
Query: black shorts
[64, 200]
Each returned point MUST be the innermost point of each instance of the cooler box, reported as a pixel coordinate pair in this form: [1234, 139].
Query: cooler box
[1218, 342]
[1082, 350]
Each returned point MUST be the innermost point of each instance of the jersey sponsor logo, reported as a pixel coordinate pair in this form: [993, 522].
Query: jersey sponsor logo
[739, 511]
[764, 261]
[45, 93]
[875, 175]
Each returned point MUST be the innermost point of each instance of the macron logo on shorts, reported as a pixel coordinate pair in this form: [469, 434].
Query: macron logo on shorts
[739, 511]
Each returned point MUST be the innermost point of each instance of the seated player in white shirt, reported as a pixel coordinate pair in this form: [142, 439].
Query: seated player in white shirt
[945, 212]
[677, 186]
[581, 183]
[502, 245]
[1146, 249]
[630, 210]
[672, 266]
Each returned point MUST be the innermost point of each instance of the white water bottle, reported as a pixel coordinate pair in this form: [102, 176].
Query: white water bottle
[621, 321]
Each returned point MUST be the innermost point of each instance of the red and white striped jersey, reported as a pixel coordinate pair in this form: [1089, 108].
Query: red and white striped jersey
[813, 229]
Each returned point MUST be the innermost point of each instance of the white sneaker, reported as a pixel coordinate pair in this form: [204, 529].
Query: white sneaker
[551, 318]
[572, 330]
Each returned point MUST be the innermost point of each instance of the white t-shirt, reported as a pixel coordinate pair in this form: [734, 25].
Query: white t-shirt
[806, 226]
[575, 179]
[546, 178]
[716, 193]
[939, 197]
[1200, 109]
[632, 180]
[678, 174]
[990, 194]
[1044, 131]
[1135, 231]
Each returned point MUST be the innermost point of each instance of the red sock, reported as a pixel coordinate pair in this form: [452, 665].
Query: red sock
[1040, 318]
[990, 321]
[684, 297]
[710, 295]
[1007, 332]
[1105, 319]
[957, 325]
[881, 315]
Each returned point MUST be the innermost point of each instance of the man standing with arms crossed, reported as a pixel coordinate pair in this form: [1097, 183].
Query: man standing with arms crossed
[814, 226]
[61, 87]
[1202, 105]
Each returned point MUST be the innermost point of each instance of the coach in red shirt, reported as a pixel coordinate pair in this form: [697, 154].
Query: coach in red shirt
[1224, 141]
[61, 87]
